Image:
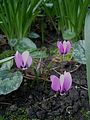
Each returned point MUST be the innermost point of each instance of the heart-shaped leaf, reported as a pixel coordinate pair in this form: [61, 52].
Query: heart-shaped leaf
[25, 44]
[79, 52]
[7, 65]
[9, 81]
[38, 54]
[13, 42]
[68, 35]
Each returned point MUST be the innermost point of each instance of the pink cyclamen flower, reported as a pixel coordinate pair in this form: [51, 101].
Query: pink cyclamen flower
[23, 60]
[64, 47]
[62, 84]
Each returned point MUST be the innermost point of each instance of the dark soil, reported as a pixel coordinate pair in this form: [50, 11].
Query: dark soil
[42, 103]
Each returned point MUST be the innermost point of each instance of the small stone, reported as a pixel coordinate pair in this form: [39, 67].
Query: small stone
[76, 107]
[83, 94]
[13, 108]
[30, 112]
[41, 114]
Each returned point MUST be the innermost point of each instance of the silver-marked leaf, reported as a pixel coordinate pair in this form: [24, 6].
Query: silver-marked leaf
[9, 81]
[79, 52]
[25, 44]
[68, 35]
[33, 35]
[13, 42]
[38, 54]
[7, 65]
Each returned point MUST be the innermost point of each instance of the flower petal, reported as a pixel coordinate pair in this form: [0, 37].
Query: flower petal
[60, 47]
[29, 61]
[65, 47]
[61, 83]
[67, 81]
[25, 56]
[55, 83]
[18, 59]
[68, 47]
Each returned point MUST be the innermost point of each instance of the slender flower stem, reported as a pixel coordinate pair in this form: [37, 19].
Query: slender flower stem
[62, 61]
[47, 99]
[57, 72]
[62, 58]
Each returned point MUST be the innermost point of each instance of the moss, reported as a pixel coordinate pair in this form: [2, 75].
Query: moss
[87, 115]
[20, 114]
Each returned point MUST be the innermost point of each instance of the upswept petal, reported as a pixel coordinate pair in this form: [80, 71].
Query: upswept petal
[64, 47]
[68, 48]
[55, 85]
[67, 81]
[29, 61]
[25, 56]
[18, 59]
[61, 82]
[60, 47]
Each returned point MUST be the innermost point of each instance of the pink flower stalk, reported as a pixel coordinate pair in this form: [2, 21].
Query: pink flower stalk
[62, 84]
[64, 47]
[23, 60]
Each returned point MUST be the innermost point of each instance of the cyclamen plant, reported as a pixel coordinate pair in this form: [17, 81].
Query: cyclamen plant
[64, 83]
[11, 80]
[64, 47]
[23, 60]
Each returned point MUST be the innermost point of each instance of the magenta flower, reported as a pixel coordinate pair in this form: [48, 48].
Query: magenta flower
[62, 84]
[23, 60]
[64, 47]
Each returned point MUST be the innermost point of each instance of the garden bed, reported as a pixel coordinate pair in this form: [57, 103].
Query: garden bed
[43, 59]
[38, 101]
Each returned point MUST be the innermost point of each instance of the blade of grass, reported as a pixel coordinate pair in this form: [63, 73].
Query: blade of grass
[87, 43]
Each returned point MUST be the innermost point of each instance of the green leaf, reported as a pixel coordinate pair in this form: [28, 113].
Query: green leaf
[33, 35]
[79, 52]
[87, 44]
[1, 118]
[25, 44]
[7, 53]
[13, 42]
[38, 54]
[9, 81]
[68, 35]
[7, 65]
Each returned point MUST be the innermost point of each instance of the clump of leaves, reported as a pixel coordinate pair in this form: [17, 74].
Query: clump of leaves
[16, 17]
[70, 24]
